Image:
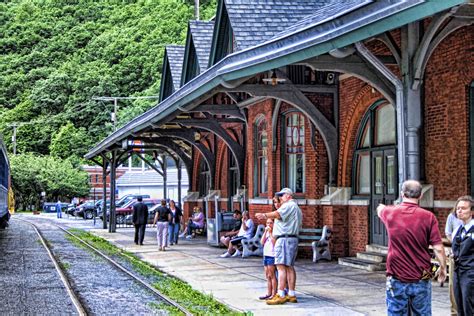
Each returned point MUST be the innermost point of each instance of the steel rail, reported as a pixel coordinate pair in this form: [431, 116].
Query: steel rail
[75, 300]
[136, 278]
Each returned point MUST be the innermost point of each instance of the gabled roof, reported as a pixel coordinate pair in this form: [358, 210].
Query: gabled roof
[172, 66]
[198, 46]
[201, 32]
[175, 59]
[320, 34]
[254, 22]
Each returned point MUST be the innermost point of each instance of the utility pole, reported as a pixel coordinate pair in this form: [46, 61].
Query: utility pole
[196, 9]
[15, 126]
[14, 138]
[115, 99]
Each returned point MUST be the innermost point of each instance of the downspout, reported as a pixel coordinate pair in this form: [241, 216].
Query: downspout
[400, 107]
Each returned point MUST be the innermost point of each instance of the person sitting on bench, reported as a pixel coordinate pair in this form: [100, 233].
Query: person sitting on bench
[196, 222]
[233, 242]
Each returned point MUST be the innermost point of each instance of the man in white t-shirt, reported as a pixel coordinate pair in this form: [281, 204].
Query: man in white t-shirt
[245, 232]
[288, 220]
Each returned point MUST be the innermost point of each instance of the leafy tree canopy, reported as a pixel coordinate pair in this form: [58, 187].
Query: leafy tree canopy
[32, 174]
[56, 55]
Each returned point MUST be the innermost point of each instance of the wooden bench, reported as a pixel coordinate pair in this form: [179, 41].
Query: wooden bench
[318, 239]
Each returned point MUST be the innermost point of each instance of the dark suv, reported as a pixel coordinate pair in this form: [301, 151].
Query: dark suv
[87, 210]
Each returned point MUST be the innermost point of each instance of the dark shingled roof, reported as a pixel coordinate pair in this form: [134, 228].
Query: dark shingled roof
[255, 21]
[175, 55]
[201, 32]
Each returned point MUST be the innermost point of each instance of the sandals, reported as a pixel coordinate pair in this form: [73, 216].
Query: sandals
[265, 297]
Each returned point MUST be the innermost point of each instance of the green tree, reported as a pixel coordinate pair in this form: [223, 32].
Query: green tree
[32, 174]
[69, 141]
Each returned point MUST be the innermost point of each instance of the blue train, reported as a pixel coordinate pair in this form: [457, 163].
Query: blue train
[4, 186]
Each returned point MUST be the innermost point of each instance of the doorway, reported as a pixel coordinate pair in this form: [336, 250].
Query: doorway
[375, 161]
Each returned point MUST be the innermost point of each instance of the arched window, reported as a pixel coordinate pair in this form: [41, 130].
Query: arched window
[376, 139]
[294, 158]
[261, 157]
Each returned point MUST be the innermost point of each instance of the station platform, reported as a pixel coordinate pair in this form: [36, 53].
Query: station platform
[323, 288]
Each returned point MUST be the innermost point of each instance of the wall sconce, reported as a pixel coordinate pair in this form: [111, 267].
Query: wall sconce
[273, 80]
[197, 137]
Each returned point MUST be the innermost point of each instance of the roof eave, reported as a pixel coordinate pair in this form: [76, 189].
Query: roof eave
[261, 58]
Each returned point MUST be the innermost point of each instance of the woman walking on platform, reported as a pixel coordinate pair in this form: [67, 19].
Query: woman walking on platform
[162, 218]
[175, 222]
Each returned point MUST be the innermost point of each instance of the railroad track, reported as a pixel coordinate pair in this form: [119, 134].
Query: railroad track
[81, 309]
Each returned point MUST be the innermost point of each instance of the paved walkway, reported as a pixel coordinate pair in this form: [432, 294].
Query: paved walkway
[325, 288]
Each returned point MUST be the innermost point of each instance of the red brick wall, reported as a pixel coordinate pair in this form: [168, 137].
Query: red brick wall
[358, 229]
[449, 72]
[336, 217]
[442, 215]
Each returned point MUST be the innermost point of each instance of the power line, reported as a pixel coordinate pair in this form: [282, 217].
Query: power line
[115, 99]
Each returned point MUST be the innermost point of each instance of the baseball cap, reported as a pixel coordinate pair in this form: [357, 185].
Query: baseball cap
[283, 191]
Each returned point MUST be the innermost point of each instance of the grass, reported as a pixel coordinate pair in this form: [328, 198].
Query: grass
[194, 301]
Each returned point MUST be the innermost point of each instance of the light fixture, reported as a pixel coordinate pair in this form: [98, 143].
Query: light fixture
[197, 137]
[273, 80]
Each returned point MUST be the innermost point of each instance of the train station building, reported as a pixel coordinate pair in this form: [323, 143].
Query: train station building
[340, 101]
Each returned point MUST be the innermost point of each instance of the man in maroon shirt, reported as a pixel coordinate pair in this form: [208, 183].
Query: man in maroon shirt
[411, 230]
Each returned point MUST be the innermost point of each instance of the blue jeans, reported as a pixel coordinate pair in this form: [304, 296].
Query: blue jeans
[402, 296]
[173, 232]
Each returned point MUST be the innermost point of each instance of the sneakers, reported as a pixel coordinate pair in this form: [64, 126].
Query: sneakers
[291, 299]
[278, 300]
[189, 237]
[237, 253]
[225, 255]
[182, 235]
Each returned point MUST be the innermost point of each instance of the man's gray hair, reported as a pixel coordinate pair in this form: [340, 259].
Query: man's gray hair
[411, 189]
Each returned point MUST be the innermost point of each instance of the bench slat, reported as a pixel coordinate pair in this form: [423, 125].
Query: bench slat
[304, 237]
[311, 230]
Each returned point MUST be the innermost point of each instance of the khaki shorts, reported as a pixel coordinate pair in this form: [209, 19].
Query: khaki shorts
[286, 249]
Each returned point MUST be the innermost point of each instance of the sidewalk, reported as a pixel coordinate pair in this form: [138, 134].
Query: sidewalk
[325, 288]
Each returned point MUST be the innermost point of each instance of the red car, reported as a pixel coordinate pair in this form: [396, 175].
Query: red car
[122, 212]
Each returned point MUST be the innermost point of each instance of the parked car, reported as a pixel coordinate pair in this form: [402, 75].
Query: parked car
[122, 212]
[50, 207]
[151, 215]
[127, 198]
[86, 210]
[99, 207]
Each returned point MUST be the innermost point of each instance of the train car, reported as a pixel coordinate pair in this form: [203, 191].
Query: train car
[4, 186]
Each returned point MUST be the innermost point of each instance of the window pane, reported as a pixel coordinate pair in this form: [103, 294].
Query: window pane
[391, 176]
[295, 168]
[364, 174]
[264, 175]
[295, 152]
[378, 175]
[385, 132]
[366, 136]
[262, 160]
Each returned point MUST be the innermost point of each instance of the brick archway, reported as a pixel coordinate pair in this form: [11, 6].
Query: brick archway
[363, 100]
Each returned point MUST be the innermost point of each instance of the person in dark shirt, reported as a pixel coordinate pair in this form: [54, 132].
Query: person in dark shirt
[139, 220]
[162, 218]
[174, 224]
[463, 254]
[228, 236]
